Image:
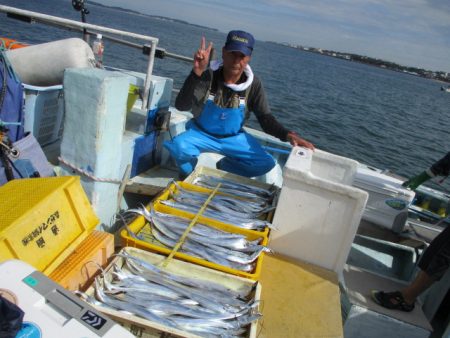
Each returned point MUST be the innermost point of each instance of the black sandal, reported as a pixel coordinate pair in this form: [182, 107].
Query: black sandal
[391, 300]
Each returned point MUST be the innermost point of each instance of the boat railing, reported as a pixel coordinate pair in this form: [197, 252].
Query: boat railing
[150, 49]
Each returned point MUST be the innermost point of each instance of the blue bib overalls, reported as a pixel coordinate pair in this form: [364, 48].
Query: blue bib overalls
[219, 130]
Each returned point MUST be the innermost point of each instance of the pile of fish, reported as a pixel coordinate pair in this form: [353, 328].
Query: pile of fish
[234, 188]
[195, 305]
[239, 207]
[228, 249]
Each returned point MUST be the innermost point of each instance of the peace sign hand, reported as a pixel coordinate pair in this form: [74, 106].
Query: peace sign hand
[201, 57]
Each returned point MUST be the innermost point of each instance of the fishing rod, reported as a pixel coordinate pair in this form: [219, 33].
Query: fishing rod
[79, 6]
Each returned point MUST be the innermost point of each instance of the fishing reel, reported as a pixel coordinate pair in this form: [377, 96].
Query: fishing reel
[78, 5]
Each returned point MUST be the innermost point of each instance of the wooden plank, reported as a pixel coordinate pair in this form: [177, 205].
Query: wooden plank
[143, 189]
[151, 182]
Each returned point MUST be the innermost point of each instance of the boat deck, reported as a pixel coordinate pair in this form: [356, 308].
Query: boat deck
[369, 319]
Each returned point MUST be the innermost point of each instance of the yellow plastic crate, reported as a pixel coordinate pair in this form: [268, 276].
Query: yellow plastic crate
[43, 220]
[165, 195]
[144, 328]
[78, 270]
[140, 225]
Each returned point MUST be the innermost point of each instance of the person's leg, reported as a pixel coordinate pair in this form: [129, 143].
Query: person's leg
[244, 156]
[419, 285]
[405, 299]
[433, 265]
[186, 147]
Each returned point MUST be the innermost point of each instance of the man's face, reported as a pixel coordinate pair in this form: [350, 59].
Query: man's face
[234, 63]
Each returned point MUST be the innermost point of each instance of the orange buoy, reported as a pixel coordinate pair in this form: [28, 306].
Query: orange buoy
[6, 43]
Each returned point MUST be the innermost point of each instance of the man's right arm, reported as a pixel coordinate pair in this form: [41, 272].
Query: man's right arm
[193, 91]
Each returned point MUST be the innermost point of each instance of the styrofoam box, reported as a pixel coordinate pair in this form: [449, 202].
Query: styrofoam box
[44, 112]
[50, 310]
[392, 260]
[148, 329]
[388, 201]
[318, 211]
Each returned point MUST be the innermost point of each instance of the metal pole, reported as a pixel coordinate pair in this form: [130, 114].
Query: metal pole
[179, 57]
[83, 19]
[151, 61]
[140, 46]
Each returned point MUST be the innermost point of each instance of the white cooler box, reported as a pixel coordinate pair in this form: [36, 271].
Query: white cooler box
[50, 310]
[388, 201]
[318, 210]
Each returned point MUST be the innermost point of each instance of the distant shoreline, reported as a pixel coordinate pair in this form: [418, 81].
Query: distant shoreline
[428, 74]
[151, 16]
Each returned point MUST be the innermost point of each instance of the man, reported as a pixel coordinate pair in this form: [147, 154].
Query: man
[221, 98]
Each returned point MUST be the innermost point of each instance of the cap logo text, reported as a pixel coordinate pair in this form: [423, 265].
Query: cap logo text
[237, 38]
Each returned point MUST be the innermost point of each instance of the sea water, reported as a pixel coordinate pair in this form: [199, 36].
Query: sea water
[382, 118]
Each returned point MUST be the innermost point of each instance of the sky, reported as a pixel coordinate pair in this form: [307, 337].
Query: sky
[412, 33]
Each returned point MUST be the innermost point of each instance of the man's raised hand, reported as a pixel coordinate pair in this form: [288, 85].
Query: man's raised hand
[201, 57]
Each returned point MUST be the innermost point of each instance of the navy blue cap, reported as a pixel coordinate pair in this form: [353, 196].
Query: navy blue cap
[240, 41]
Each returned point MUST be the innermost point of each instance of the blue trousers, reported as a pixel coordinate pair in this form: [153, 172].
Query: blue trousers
[243, 154]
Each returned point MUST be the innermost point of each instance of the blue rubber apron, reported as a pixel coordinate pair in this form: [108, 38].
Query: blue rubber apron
[221, 122]
[219, 130]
